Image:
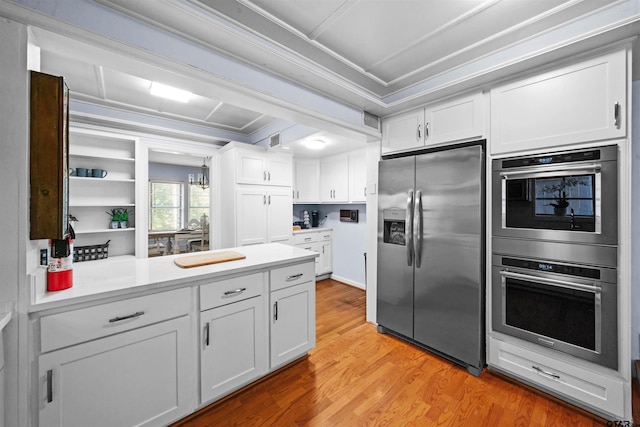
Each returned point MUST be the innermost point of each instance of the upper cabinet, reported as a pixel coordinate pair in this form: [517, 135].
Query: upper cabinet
[263, 168]
[574, 104]
[102, 180]
[335, 179]
[449, 121]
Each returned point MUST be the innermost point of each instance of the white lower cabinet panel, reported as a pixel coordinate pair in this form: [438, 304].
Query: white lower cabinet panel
[600, 392]
[142, 377]
[293, 315]
[234, 347]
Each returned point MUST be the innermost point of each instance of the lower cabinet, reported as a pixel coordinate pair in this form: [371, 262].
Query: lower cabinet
[292, 313]
[135, 378]
[320, 242]
[602, 393]
[233, 338]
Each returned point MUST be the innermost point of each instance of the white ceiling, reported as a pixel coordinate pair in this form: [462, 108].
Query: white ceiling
[371, 54]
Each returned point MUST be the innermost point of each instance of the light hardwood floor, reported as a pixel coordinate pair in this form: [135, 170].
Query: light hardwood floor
[358, 377]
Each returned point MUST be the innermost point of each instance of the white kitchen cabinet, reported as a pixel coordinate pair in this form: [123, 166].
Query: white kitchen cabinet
[603, 393]
[358, 176]
[90, 197]
[578, 103]
[233, 335]
[321, 242]
[453, 120]
[334, 179]
[263, 168]
[263, 216]
[307, 181]
[136, 355]
[292, 313]
[257, 206]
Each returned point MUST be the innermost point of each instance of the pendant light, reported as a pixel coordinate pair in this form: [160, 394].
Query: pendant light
[203, 176]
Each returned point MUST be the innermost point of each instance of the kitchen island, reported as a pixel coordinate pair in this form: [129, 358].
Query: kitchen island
[157, 341]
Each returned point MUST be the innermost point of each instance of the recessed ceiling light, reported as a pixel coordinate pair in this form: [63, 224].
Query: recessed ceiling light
[314, 144]
[164, 91]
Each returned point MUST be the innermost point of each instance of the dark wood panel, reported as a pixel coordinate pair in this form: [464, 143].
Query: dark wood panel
[48, 165]
[358, 377]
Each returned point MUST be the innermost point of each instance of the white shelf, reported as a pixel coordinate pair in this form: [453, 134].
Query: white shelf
[98, 205]
[92, 179]
[105, 230]
[114, 158]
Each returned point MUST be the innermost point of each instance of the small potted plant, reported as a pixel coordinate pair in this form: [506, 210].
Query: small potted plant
[124, 218]
[115, 217]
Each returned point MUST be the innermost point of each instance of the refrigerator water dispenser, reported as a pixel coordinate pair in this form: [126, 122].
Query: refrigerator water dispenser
[394, 221]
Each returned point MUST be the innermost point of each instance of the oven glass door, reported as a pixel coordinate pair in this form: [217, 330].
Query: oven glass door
[560, 313]
[553, 201]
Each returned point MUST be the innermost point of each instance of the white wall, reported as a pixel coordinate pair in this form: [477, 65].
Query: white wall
[635, 225]
[14, 213]
[349, 240]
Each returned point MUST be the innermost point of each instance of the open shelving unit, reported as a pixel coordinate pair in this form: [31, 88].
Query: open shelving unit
[90, 198]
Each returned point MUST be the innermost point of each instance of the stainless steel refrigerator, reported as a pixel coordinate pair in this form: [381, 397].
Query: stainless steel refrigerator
[431, 251]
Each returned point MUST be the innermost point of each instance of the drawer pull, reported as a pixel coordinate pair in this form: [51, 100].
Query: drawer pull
[130, 316]
[294, 277]
[50, 386]
[234, 292]
[307, 239]
[542, 371]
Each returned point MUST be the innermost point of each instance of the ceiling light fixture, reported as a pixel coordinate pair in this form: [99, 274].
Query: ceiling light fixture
[203, 176]
[164, 91]
[315, 144]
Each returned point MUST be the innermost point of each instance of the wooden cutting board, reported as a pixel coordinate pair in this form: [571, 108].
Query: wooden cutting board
[206, 259]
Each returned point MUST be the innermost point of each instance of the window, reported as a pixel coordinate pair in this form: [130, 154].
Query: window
[198, 203]
[165, 205]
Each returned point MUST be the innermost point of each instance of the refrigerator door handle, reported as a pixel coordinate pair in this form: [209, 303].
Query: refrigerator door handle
[408, 232]
[417, 228]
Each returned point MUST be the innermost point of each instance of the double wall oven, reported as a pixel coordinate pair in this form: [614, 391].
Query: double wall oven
[554, 273]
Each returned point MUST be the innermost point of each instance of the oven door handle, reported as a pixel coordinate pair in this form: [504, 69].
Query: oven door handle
[564, 284]
[544, 171]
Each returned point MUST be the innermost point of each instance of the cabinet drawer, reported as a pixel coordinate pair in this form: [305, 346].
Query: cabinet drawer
[231, 290]
[601, 392]
[325, 235]
[288, 276]
[304, 238]
[72, 327]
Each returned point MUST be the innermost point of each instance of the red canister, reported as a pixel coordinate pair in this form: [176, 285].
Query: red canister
[60, 269]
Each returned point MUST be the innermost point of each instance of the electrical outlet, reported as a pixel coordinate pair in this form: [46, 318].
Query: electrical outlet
[44, 257]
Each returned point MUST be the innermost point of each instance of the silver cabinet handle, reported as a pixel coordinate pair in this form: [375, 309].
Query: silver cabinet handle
[426, 130]
[50, 386]
[129, 316]
[264, 199]
[417, 228]
[235, 291]
[307, 239]
[275, 310]
[269, 199]
[364, 191]
[297, 194]
[542, 371]
[408, 228]
[206, 335]
[264, 175]
[294, 277]
[616, 115]
[268, 176]
[419, 133]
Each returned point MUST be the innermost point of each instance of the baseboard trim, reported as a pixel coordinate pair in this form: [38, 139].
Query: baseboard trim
[349, 282]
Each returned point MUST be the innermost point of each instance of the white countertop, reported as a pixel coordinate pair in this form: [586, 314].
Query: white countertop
[93, 280]
[312, 230]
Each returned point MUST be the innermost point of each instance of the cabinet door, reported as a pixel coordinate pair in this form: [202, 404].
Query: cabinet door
[234, 347]
[403, 132]
[326, 257]
[292, 314]
[279, 169]
[280, 216]
[307, 181]
[251, 167]
[575, 104]
[334, 179]
[251, 221]
[454, 120]
[358, 176]
[143, 377]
